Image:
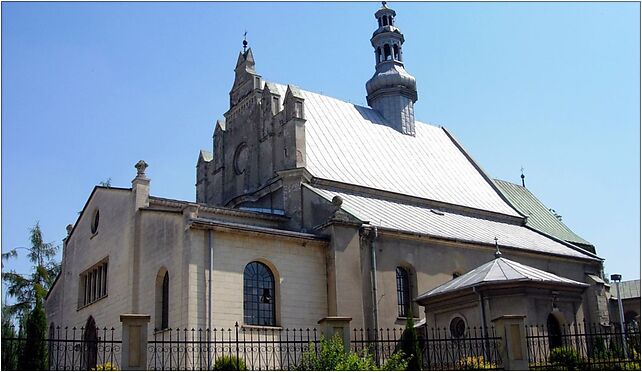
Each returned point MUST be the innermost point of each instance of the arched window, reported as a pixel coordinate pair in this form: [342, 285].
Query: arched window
[258, 295]
[403, 292]
[386, 52]
[385, 21]
[162, 299]
[554, 332]
[378, 54]
[90, 344]
[395, 49]
[165, 303]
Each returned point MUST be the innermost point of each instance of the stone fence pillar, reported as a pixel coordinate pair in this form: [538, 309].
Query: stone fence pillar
[134, 348]
[513, 347]
[333, 325]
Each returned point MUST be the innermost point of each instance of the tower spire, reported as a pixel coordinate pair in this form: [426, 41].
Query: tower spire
[392, 90]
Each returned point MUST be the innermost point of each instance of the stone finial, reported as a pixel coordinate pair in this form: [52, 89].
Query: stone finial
[69, 228]
[140, 168]
[498, 254]
[337, 200]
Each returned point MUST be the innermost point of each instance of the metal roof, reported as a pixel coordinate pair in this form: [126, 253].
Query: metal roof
[539, 216]
[628, 289]
[423, 220]
[353, 144]
[500, 270]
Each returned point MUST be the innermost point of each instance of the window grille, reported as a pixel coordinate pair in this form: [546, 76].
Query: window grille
[403, 292]
[258, 295]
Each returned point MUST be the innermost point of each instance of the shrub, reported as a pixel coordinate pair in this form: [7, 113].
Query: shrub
[332, 357]
[396, 362]
[474, 363]
[229, 363]
[105, 367]
[564, 358]
[330, 354]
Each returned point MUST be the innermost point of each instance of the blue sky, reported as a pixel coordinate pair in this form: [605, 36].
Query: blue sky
[88, 89]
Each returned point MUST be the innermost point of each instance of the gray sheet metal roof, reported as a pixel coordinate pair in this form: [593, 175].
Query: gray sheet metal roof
[499, 270]
[352, 144]
[628, 289]
[422, 220]
[539, 217]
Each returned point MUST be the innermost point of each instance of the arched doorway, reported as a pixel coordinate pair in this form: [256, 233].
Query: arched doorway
[90, 341]
[554, 332]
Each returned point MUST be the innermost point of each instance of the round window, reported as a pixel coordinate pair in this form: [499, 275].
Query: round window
[457, 327]
[240, 158]
[94, 222]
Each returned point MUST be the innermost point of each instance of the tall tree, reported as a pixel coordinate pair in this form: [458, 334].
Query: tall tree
[44, 271]
[34, 353]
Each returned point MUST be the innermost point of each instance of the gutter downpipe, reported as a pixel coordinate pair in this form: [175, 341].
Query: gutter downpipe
[373, 278]
[483, 320]
[209, 280]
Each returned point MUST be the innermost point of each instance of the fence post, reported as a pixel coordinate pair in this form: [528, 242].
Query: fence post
[332, 325]
[513, 347]
[134, 349]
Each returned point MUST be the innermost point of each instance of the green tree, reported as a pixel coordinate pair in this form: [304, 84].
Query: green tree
[410, 344]
[105, 183]
[34, 353]
[10, 348]
[24, 288]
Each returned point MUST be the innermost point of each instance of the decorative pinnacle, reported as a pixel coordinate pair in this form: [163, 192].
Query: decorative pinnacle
[498, 254]
[383, 3]
[244, 41]
[140, 168]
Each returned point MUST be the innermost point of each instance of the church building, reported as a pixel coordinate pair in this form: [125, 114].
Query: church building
[310, 207]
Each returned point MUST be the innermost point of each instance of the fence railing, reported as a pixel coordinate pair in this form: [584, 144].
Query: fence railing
[583, 347]
[67, 349]
[475, 349]
[256, 348]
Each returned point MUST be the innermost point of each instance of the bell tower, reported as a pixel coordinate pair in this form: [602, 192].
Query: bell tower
[392, 90]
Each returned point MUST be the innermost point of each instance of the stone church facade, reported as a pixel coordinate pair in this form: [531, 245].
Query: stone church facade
[309, 207]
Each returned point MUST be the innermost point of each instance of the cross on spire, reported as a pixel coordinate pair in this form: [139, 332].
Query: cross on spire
[244, 41]
[522, 176]
[498, 254]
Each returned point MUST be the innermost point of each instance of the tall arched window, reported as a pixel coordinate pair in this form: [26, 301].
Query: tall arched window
[162, 299]
[395, 49]
[403, 292]
[165, 303]
[258, 295]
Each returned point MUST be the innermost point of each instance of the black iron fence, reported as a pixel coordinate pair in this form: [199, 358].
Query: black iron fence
[67, 349]
[583, 347]
[475, 349]
[240, 347]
